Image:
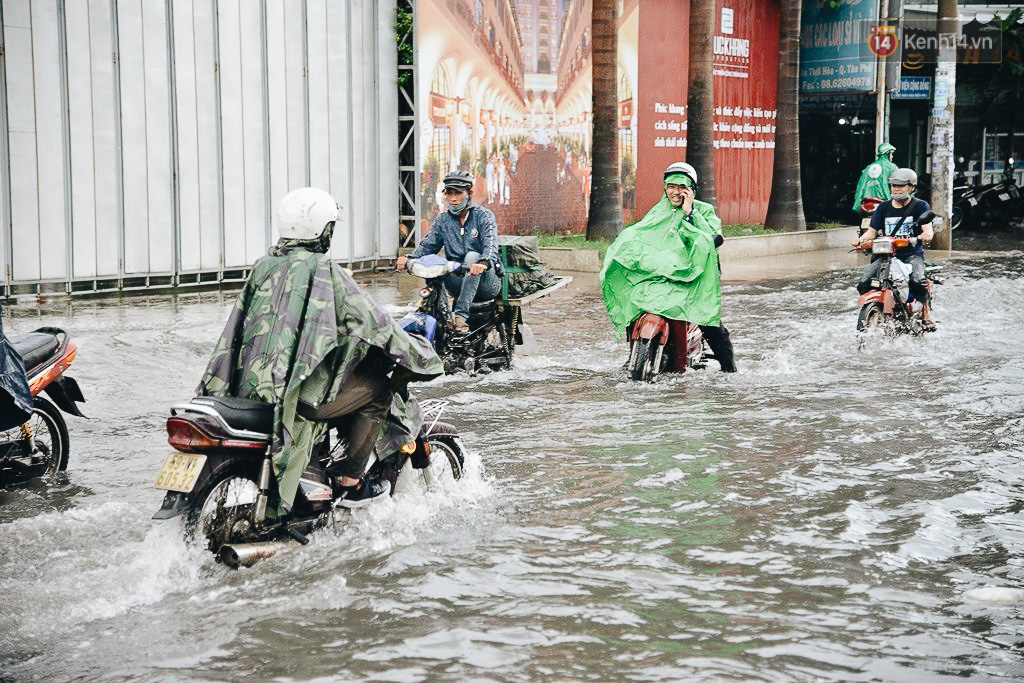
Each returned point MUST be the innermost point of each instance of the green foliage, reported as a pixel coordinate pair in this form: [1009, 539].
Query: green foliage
[404, 41]
[746, 229]
[573, 241]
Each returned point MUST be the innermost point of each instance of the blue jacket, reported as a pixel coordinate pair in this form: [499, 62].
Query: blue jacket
[479, 234]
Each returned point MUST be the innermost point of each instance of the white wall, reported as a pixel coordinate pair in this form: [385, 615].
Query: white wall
[154, 137]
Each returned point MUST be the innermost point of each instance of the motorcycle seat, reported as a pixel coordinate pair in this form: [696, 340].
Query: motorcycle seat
[483, 307]
[241, 413]
[35, 348]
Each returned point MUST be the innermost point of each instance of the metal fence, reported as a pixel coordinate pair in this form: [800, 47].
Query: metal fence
[146, 142]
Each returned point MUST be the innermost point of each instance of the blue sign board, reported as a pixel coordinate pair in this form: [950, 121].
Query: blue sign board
[914, 88]
[831, 47]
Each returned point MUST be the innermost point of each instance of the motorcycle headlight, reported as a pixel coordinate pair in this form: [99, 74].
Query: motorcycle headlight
[881, 247]
[427, 272]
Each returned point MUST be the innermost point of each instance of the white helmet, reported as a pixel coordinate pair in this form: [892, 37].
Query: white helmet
[684, 168]
[304, 214]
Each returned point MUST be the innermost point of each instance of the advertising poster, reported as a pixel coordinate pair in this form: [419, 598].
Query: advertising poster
[745, 67]
[509, 91]
[507, 84]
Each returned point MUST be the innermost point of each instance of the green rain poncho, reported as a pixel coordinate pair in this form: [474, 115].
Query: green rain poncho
[874, 179]
[667, 265]
[297, 330]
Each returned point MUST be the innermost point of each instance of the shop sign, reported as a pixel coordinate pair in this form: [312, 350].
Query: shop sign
[914, 88]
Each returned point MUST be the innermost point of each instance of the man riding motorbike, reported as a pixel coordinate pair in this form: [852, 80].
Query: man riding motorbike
[668, 264]
[898, 218]
[874, 179]
[480, 277]
[304, 336]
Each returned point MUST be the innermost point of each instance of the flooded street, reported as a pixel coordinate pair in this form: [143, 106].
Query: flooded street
[828, 513]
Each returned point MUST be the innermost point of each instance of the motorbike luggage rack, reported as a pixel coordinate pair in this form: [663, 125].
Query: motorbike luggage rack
[561, 281]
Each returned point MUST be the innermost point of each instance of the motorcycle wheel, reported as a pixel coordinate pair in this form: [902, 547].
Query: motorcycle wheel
[871, 318]
[956, 218]
[642, 368]
[220, 510]
[51, 440]
[446, 460]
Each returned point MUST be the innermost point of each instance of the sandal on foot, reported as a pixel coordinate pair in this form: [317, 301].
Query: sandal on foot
[928, 325]
[460, 326]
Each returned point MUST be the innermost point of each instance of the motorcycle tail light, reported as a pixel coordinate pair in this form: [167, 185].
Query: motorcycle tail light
[186, 437]
[425, 292]
[881, 247]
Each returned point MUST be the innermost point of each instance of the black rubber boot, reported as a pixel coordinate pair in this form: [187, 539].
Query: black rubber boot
[720, 345]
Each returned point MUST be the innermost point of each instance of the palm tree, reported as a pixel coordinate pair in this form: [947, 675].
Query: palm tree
[785, 206]
[605, 219]
[700, 101]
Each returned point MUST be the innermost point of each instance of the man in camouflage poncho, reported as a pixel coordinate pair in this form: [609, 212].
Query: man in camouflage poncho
[304, 336]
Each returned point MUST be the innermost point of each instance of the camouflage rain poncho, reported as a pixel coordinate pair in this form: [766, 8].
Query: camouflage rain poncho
[298, 328]
[666, 265]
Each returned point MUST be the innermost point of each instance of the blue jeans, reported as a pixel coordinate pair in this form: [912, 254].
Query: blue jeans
[468, 288]
[917, 286]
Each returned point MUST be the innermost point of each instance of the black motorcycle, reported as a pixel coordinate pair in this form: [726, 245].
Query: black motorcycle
[493, 325]
[219, 475]
[41, 445]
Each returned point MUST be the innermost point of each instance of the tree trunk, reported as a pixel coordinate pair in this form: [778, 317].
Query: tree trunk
[785, 205]
[700, 104]
[605, 219]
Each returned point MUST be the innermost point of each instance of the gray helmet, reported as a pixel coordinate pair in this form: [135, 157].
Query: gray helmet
[903, 176]
[459, 180]
[682, 167]
[885, 148]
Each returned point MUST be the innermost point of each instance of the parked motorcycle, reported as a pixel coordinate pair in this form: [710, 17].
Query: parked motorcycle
[964, 206]
[994, 204]
[41, 445]
[219, 475]
[493, 325]
[658, 345]
[886, 307]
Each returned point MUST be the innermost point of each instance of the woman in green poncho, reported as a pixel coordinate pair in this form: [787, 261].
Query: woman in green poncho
[667, 264]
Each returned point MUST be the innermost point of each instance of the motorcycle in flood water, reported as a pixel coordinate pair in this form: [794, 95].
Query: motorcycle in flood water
[41, 445]
[493, 325]
[658, 345]
[219, 475]
[867, 208]
[885, 307]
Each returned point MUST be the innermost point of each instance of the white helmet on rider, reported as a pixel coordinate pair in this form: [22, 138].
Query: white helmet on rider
[903, 176]
[677, 167]
[306, 214]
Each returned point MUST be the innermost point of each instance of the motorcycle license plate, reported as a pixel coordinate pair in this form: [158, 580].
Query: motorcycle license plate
[972, 201]
[180, 472]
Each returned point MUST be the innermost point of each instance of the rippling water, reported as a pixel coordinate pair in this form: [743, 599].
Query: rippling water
[827, 513]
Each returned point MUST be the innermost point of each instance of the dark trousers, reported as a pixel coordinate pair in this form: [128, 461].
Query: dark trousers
[720, 345]
[358, 410]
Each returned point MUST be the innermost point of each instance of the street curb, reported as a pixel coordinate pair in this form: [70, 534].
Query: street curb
[735, 248]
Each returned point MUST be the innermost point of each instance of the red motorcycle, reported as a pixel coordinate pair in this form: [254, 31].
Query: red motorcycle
[658, 345]
[40, 445]
[885, 307]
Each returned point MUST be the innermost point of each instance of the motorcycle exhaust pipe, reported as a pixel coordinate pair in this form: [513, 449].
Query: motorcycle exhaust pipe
[248, 554]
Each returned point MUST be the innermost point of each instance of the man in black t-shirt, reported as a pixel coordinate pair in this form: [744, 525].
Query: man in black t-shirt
[898, 218]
